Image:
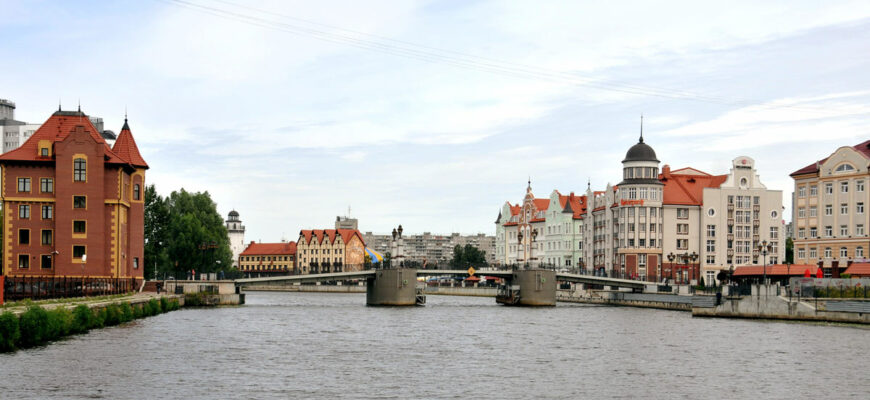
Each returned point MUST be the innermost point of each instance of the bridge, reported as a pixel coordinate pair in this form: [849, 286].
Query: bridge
[398, 286]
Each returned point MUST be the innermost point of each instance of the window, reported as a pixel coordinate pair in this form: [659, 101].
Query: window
[814, 211]
[23, 261]
[80, 202]
[802, 191]
[802, 212]
[683, 213]
[827, 252]
[802, 253]
[652, 243]
[711, 230]
[829, 188]
[80, 227]
[24, 185]
[641, 260]
[46, 185]
[652, 227]
[859, 252]
[802, 233]
[683, 229]
[135, 262]
[844, 252]
[682, 244]
[43, 152]
[46, 237]
[24, 236]
[641, 242]
[814, 190]
[844, 209]
[829, 210]
[80, 170]
[813, 232]
[23, 211]
[78, 251]
[813, 252]
[844, 230]
[711, 246]
[859, 230]
[859, 186]
[774, 232]
[652, 212]
[46, 212]
[845, 168]
[45, 262]
[844, 187]
[829, 231]
[859, 208]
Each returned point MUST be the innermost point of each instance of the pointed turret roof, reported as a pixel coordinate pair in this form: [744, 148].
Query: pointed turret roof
[125, 147]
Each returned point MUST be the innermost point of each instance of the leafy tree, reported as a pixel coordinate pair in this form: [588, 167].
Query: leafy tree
[789, 251]
[184, 231]
[468, 256]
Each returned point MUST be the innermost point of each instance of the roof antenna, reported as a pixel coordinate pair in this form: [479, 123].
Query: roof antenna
[641, 128]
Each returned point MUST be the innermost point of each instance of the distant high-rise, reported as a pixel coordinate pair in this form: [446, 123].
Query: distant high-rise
[346, 223]
[13, 132]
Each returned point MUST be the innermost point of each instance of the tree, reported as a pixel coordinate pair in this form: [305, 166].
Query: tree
[468, 256]
[789, 251]
[184, 232]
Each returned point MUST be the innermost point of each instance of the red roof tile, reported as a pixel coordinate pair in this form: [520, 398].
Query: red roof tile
[330, 234]
[288, 248]
[541, 204]
[687, 189]
[776, 269]
[56, 129]
[858, 269]
[125, 147]
[863, 148]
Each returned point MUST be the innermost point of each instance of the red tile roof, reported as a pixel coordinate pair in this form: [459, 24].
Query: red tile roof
[578, 204]
[56, 129]
[330, 234]
[288, 248]
[776, 269]
[541, 204]
[863, 148]
[858, 269]
[125, 147]
[687, 188]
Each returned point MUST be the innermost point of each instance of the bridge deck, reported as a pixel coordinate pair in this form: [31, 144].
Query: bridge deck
[335, 276]
[600, 280]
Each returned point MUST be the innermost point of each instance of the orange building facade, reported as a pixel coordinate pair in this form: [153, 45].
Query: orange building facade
[330, 250]
[73, 206]
[265, 259]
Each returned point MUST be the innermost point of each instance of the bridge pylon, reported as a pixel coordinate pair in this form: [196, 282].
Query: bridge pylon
[393, 287]
[528, 287]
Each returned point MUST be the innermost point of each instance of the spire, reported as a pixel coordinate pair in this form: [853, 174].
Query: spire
[641, 128]
[588, 183]
[529, 188]
[58, 105]
[80, 105]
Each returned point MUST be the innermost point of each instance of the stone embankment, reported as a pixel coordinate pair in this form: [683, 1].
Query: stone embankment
[765, 303]
[627, 299]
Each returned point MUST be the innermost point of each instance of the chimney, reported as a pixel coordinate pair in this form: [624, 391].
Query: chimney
[666, 171]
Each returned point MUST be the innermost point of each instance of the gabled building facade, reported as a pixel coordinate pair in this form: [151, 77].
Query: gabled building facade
[72, 205]
[330, 250]
[268, 259]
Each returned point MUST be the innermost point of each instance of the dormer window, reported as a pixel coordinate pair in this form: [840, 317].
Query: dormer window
[845, 168]
[43, 152]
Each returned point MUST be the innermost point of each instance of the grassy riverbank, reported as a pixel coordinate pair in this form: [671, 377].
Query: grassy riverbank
[37, 326]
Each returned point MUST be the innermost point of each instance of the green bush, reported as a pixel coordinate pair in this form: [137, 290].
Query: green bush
[33, 324]
[137, 312]
[83, 319]
[100, 317]
[173, 305]
[155, 306]
[9, 331]
[126, 312]
[113, 315]
[164, 304]
[59, 323]
[194, 300]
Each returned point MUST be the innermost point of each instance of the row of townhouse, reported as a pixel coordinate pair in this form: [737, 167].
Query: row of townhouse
[681, 225]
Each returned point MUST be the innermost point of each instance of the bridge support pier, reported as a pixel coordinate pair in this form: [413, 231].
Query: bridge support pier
[392, 287]
[529, 287]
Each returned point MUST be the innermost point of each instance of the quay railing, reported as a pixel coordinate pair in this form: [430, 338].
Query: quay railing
[40, 288]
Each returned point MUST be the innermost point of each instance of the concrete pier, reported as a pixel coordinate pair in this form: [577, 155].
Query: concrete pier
[529, 287]
[392, 287]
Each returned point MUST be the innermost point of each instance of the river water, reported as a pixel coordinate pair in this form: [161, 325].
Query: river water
[310, 345]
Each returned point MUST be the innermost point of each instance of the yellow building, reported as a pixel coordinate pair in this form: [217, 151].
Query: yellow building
[262, 259]
[830, 220]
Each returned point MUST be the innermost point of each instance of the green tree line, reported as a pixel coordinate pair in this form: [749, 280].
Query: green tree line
[184, 232]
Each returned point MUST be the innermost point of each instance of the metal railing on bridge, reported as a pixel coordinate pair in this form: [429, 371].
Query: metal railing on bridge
[39, 288]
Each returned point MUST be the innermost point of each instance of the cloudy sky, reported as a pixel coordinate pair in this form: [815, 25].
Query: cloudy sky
[434, 113]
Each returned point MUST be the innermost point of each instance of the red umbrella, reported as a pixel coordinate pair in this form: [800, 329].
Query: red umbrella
[807, 273]
[820, 273]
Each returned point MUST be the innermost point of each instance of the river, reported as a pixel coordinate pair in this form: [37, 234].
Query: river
[312, 345]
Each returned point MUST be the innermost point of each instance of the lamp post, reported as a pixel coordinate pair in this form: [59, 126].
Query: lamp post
[764, 248]
[671, 257]
[532, 247]
[84, 259]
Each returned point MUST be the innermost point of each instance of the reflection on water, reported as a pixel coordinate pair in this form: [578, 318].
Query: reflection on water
[308, 345]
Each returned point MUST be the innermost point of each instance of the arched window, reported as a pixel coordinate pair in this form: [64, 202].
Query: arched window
[80, 170]
[844, 252]
[136, 192]
[845, 168]
[859, 252]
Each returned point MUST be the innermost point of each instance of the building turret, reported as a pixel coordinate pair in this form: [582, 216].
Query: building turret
[236, 234]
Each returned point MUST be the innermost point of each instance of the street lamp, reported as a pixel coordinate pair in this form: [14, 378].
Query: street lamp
[764, 248]
[533, 244]
[671, 257]
[84, 259]
[519, 245]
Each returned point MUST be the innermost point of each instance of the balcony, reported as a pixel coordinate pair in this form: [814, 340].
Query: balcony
[756, 208]
[756, 223]
[730, 236]
[731, 207]
[730, 221]
[730, 252]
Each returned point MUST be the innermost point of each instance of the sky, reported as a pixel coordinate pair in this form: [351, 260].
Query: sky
[432, 114]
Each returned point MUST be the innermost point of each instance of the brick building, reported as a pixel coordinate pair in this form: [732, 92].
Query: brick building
[264, 259]
[67, 194]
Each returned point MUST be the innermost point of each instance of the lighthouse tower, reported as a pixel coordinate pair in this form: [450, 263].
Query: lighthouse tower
[236, 233]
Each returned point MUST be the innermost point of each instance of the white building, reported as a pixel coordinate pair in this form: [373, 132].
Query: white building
[236, 234]
[14, 133]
